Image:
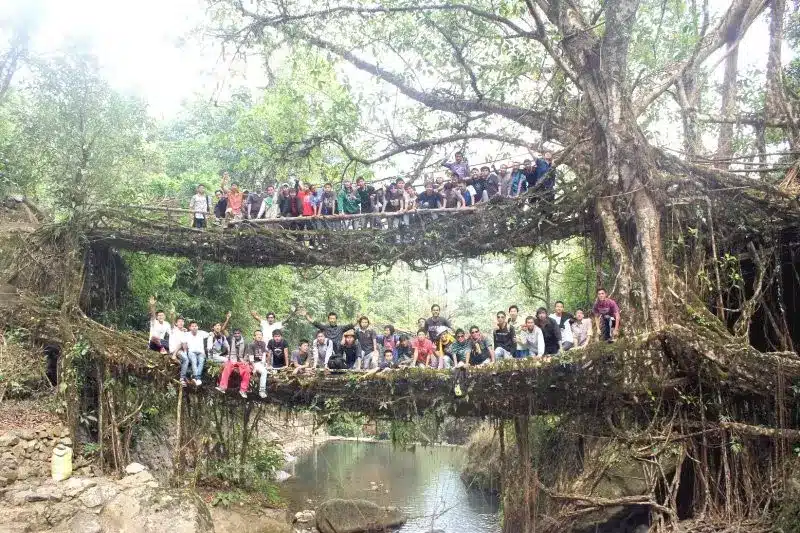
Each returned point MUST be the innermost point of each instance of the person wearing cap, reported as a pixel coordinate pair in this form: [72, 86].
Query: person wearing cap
[348, 354]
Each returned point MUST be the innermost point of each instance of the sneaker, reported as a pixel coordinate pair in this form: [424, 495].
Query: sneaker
[262, 393]
[243, 394]
[198, 381]
[220, 389]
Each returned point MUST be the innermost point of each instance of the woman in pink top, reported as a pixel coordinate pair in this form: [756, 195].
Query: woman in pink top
[423, 348]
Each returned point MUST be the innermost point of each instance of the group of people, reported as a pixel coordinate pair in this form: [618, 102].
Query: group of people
[465, 187]
[358, 346]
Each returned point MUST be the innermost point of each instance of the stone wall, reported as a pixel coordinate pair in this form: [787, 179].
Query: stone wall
[26, 453]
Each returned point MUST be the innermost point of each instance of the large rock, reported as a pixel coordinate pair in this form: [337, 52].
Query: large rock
[146, 509]
[247, 520]
[357, 516]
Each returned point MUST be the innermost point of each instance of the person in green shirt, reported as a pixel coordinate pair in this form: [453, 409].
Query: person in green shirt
[349, 203]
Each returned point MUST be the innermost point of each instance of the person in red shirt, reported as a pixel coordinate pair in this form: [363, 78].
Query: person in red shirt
[423, 349]
[305, 198]
[606, 316]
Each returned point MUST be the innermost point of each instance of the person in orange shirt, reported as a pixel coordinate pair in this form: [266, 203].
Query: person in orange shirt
[235, 198]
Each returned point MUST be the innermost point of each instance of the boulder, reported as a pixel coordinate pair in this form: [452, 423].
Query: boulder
[247, 520]
[142, 478]
[84, 522]
[76, 485]
[7, 440]
[134, 468]
[146, 509]
[356, 516]
[98, 495]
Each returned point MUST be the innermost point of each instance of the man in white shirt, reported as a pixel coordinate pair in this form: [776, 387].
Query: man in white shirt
[176, 344]
[269, 325]
[201, 205]
[531, 339]
[195, 350]
[159, 328]
[563, 321]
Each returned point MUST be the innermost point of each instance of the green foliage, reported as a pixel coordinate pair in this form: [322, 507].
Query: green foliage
[227, 498]
[343, 424]
[255, 474]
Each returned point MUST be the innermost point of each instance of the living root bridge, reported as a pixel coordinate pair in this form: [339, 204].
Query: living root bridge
[639, 375]
[431, 236]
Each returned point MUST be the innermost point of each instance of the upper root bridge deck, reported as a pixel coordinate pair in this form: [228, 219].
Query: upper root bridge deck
[420, 238]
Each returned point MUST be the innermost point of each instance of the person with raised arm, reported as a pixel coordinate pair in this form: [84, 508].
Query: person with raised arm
[459, 167]
[268, 324]
[159, 328]
[333, 330]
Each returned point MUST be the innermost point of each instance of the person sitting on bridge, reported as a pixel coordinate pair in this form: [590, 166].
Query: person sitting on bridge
[606, 316]
[530, 341]
[159, 328]
[200, 203]
[423, 349]
[452, 197]
[177, 343]
[460, 167]
[332, 329]
[302, 358]
[505, 342]
[347, 355]
[368, 342]
[237, 360]
[388, 340]
[386, 363]
[563, 320]
[217, 344]
[195, 340]
[322, 351]
[267, 325]
[278, 349]
[581, 329]
[404, 353]
[259, 358]
[460, 348]
[550, 332]
[480, 353]
[514, 321]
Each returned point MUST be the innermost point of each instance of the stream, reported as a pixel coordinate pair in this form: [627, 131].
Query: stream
[424, 482]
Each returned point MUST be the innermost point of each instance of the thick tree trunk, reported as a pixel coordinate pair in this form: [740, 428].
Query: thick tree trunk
[728, 107]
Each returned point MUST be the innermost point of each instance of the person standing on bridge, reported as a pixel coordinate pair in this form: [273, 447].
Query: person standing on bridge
[368, 342]
[269, 325]
[606, 316]
[460, 167]
[349, 203]
[435, 322]
[200, 203]
[332, 329]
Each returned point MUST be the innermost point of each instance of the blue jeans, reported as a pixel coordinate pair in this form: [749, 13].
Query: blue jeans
[501, 353]
[521, 354]
[197, 359]
[184, 365]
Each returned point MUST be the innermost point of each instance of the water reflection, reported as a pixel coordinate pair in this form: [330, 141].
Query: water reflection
[424, 482]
